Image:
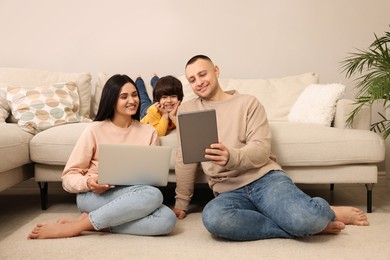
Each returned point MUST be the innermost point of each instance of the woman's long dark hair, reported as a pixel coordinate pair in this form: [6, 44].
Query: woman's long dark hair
[110, 95]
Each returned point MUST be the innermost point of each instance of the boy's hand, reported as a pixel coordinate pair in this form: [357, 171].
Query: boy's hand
[161, 109]
[218, 154]
[172, 114]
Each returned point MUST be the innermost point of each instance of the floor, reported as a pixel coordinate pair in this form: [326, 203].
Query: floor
[19, 206]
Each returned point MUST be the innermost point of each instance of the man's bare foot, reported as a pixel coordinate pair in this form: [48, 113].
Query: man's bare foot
[61, 230]
[333, 228]
[350, 216]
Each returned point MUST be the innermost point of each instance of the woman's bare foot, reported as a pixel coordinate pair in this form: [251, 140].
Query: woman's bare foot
[66, 220]
[350, 216]
[333, 228]
[62, 230]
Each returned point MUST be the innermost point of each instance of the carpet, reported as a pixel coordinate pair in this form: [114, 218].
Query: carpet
[190, 240]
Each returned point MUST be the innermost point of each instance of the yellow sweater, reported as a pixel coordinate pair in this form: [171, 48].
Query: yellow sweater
[153, 117]
[243, 128]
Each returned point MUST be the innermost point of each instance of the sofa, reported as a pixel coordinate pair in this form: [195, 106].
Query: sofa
[311, 140]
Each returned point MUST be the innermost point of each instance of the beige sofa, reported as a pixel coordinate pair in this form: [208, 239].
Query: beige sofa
[310, 152]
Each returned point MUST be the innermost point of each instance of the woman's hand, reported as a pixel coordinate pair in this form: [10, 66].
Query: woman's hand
[218, 154]
[94, 186]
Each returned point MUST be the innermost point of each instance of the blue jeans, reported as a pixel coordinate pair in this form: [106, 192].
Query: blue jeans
[145, 100]
[135, 210]
[270, 207]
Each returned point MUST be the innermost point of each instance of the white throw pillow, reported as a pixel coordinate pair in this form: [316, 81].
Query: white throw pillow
[37, 108]
[317, 104]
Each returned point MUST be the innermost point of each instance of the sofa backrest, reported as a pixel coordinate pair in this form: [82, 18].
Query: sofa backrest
[32, 77]
[277, 95]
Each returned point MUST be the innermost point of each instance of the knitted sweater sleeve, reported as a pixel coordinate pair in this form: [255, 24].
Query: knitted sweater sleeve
[257, 150]
[157, 121]
[185, 177]
[76, 172]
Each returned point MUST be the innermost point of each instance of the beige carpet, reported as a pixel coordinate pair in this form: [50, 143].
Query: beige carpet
[190, 240]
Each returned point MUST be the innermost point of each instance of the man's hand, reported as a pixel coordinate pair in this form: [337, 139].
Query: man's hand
[218, 154]
[94, 186]
[180, 214]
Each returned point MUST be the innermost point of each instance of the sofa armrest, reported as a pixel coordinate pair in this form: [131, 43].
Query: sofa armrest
[344, 107]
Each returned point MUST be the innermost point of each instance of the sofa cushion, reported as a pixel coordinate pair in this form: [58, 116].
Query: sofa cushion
[101, 81]
[21, 76]
[276, 95]
[317, 104]
[300, 144]
[38, 108]
[4, 108]
[170, 140]
[14, 146]
[53, 146]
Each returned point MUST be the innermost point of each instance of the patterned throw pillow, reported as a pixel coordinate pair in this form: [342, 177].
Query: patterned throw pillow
[38, 108]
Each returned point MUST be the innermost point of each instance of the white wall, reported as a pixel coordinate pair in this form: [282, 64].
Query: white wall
[246, 38]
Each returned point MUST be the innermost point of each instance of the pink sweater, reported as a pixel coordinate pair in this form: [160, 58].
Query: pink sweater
[243, 128]
[84, 161]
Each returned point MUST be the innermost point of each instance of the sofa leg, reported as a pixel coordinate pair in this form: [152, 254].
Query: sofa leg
[43, 189]
[369, 187]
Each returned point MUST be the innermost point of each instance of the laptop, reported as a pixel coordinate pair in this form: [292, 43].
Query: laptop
[121, 164]
[198, 130]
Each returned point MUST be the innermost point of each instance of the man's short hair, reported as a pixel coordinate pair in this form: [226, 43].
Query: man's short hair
[198, 57]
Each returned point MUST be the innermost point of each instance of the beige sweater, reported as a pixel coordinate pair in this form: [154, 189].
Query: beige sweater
[243, 128]
[84, 160]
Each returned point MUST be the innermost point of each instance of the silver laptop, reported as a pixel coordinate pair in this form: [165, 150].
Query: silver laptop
[121, 164]
[198, 130]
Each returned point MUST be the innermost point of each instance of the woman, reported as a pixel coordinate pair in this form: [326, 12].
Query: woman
[137, 209]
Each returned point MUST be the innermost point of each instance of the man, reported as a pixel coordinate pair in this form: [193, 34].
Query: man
[254, 199]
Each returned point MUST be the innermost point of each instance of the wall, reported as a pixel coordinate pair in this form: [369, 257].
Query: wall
[247, 39]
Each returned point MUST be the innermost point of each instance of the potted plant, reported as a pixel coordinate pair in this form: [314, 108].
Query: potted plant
[372, 68]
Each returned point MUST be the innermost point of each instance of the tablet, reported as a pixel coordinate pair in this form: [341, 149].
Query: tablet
[198, 130]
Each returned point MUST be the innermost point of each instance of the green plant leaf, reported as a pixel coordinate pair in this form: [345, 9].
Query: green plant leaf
[372, 70]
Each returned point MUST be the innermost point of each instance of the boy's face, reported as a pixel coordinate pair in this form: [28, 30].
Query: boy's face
[168, 102]
[203, 78]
